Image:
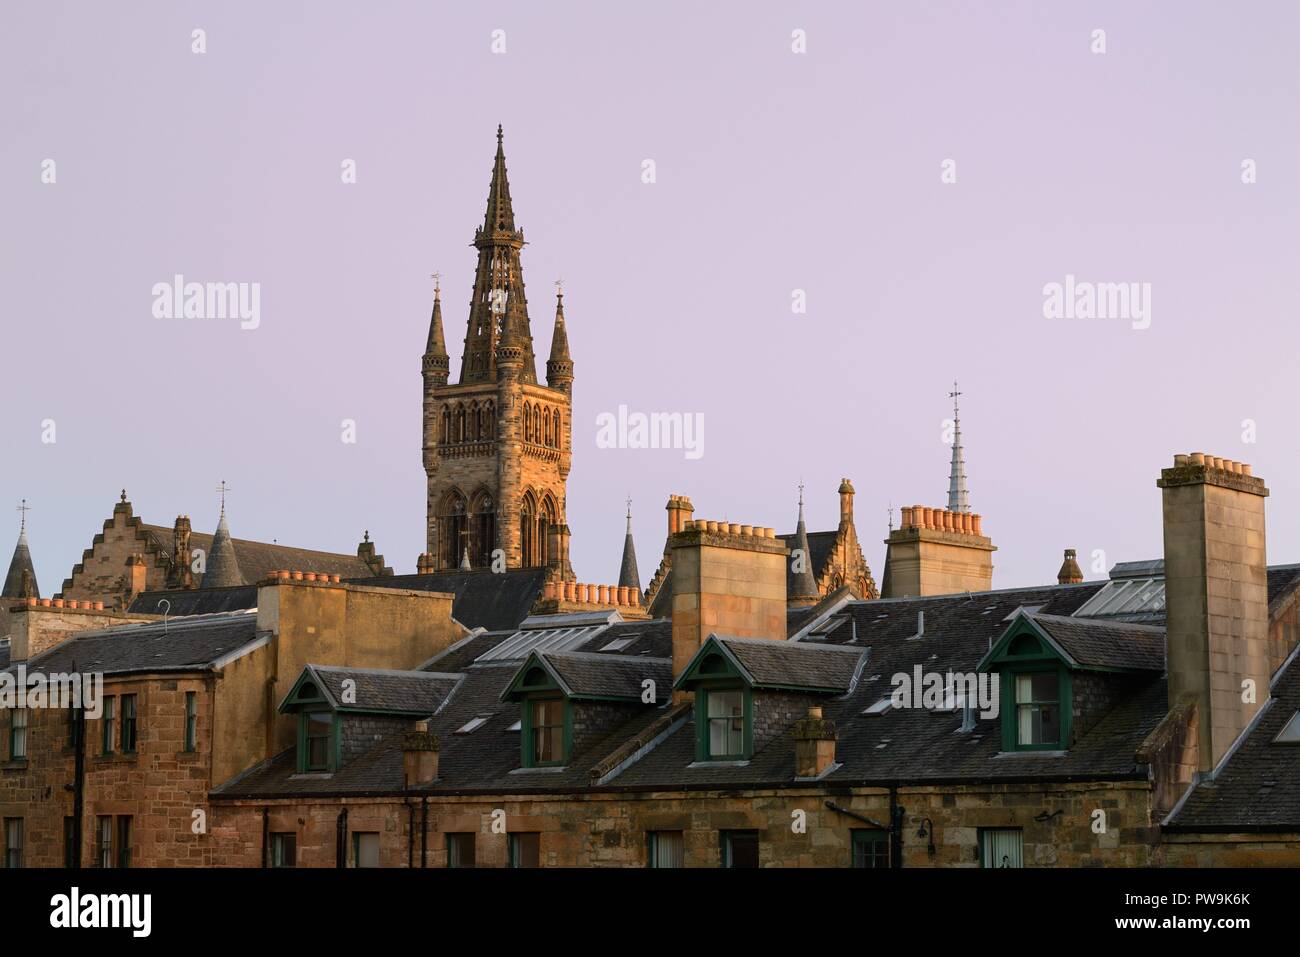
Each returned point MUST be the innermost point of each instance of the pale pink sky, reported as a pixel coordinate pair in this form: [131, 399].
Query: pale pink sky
[776, 172]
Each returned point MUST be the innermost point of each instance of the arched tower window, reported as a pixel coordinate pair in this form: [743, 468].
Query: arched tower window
[546, 427]
[528, 532]
[559, 443]
[528, 422]
[545, 519]
[460, 422]
[489, 421]
[484, 537]
[446, 425]
[453, 529]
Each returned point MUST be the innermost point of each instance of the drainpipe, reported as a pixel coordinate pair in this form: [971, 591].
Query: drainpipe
[424, 831]
[266, 832]
[896, 815]
[341, 840]
[410, 834]
[78, 781]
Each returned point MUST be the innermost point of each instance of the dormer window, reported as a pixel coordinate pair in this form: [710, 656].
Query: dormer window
[1038, 710]
[315, 741]
[726, 724]
[546, 727]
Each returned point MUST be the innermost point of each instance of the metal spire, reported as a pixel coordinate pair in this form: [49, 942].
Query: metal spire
[958, 495]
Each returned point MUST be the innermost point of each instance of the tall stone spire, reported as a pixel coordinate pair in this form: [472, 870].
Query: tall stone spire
[803, 584]
[21, 580]
[559, 367]
[628, 576]
[499, 309]
[222, 569]
[436, 364]
[958, 496]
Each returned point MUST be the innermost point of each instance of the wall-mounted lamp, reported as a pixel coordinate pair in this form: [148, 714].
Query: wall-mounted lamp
[927, 830]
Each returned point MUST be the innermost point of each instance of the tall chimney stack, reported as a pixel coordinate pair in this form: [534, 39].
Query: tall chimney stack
[1216, 596]
[935, 551]
[419, 755]
[728, 580]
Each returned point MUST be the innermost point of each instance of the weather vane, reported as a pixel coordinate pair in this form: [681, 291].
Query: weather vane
[223, 488]
[23, 509]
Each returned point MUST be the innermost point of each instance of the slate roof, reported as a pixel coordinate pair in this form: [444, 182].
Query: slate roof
[905, 745]
[194, 601]
[186, 644]
[258, 559]
[419, 693]
[482, 599]
[1106, 644]
[1258, 789]
[594, 675]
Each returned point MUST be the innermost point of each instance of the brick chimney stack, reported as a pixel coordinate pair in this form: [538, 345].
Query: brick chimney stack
[136, 578]
[728, 580]
[419, 755]
[1216, 596]
[680, 511]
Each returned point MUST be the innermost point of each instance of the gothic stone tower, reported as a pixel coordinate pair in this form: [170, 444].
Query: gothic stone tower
[497, 443]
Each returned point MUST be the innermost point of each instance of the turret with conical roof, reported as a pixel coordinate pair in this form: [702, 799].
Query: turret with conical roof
[436, 364]
[628, 576]
[222, 568]
[803, 585]
[559, 367]
[21, 580]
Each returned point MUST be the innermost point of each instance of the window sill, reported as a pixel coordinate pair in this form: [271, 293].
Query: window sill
[17, 764]
[721, 763]
[542, 770]
[311, 775]
[115, 757]
[1033, 753]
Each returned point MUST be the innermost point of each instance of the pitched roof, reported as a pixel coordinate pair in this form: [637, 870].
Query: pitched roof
[1091, 643]
[594, 675]
[186, 644]
[795, 664]
[258, 559]
[385, 691]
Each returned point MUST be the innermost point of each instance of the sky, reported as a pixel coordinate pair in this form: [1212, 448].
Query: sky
[914, 174]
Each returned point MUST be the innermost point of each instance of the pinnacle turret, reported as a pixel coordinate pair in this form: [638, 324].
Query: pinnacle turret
[21, 580]
[559, 368]
[222, 567]
[628, 576]
[803, 586]
[436, 363]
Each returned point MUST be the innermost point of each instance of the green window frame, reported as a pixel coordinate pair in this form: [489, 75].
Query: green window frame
[1036, 715]
[284, 849]
[128, 723]
[191, 721]
[108, 725]
[18, 734]
[13, 842]
[740, 848]
[318, 741]
[365, 849]
[525, 849]
[104, 841]
[1002, 847]
[124, 841]
[665, 849]
[547, 726]
[460, 849]
[870, 848]
[724, 720]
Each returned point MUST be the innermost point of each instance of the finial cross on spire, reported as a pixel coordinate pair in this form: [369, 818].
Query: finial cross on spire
[223, 488]
[559, 287]
[953, 395]
[23, 509]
